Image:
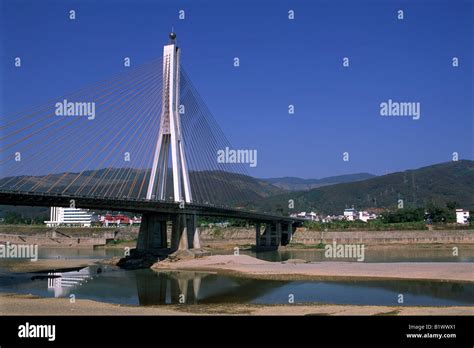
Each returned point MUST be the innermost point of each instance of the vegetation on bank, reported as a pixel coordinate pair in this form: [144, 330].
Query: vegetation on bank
[15, 218]
[431, 214]
[431, 217]
[374, 225]
[213, 220]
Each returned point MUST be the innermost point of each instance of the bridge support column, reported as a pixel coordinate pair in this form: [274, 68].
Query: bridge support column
[286, 233]
[268, 235]
[257, 234]
[197, 234]
[272, 236]
[277, 234]
[185, 233]
[152, 233]
[177, 239]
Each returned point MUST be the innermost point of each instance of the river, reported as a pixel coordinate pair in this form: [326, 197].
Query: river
[145, 287]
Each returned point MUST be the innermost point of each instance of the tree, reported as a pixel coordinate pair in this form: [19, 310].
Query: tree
[451, 205]
[403, 215]
[442, 215]
[12, 217]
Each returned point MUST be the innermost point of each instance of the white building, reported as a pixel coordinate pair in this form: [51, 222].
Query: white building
[308, 216]
[462, 216]
[350, 214]
[301, 215]
[366, 216]
[69, 217]
[331, 218]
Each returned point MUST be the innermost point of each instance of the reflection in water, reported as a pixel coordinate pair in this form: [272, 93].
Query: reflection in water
[61, 283]
[374, 254]
[146, 287]
[199, 287]
[167, 288]
[179, 287]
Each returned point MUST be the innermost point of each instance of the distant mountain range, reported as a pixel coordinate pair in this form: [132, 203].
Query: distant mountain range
[217, 187]
[297, 184]
[437, 184]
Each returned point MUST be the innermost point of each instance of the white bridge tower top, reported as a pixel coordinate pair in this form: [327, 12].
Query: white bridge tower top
[170, 136]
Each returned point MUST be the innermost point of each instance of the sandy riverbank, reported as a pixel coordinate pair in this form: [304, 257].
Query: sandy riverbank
[12, 304]
[251, 267]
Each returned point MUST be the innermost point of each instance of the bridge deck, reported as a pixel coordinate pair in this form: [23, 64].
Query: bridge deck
[135, 206]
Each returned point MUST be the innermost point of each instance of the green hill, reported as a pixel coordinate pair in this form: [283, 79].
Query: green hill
[437, 184]
[298, 184]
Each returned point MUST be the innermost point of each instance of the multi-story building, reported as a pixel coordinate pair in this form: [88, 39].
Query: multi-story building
[69, 217]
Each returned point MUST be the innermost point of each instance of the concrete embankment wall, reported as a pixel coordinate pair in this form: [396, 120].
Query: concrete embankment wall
[304, 236]
[57, 242]
[385, 237]
[88, 237]
[229, 234]
[64, 237]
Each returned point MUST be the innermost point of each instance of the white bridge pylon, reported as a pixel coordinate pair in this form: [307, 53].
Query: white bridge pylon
[170, 134]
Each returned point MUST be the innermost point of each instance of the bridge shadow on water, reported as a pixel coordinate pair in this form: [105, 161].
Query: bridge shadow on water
[186, 287]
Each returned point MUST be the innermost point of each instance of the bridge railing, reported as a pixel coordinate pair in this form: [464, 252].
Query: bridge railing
[193, 205]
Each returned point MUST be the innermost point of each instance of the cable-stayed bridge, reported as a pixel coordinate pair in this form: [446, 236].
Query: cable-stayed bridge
[142, 141]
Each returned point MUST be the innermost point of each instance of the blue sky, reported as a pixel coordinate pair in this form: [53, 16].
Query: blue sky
[282, 62]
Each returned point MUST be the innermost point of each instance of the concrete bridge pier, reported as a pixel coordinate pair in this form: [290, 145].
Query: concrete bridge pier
[197, 235]
[178, 238]
[185, 232]
[258, 235]
[152, 233]
[271, 237]
[287, 233]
